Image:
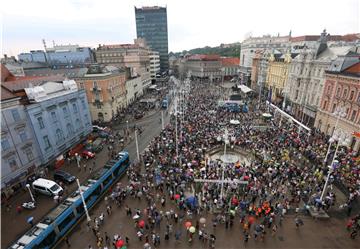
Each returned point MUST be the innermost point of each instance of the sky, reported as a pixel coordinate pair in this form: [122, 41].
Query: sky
[191, 23]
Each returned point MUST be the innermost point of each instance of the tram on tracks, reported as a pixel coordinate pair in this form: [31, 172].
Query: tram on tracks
[59, 221]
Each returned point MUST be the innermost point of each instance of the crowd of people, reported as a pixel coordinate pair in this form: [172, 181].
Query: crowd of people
[284, 172]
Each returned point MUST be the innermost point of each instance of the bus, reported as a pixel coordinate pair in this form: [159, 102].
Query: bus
[56, 224]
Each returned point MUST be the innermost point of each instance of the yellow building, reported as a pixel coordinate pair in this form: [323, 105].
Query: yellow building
[277, 74]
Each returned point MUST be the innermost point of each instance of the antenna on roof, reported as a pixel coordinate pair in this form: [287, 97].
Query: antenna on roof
[43, 41]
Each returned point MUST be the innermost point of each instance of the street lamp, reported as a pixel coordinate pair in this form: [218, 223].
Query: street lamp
[137, 146]
[127, 127]
[31, 195]
[338, 113]
[83, 201]
[343, 139]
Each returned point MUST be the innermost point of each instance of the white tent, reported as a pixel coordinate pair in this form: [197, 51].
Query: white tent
[244, 89]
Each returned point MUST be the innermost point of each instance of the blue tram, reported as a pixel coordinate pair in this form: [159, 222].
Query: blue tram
[60, 220]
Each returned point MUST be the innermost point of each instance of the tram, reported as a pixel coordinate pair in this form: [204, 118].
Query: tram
[65, 216]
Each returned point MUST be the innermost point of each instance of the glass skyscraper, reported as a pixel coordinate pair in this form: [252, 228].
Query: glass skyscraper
[151, 24]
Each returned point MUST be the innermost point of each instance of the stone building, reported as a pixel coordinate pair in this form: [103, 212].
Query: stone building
[20, 153]
[59, 115]
[248, 51]
[204, 67]
[105, 90]
[341, 89]
[306, 77]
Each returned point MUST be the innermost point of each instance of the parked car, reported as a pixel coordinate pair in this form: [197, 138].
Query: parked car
[97, 128]
[97, 145]
[63, 176]
[104, 134]
[47, 187]
[87, 154]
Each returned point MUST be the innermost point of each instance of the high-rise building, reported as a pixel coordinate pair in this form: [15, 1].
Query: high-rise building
[151, 24]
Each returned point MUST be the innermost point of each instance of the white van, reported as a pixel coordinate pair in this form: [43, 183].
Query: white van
[47, 187]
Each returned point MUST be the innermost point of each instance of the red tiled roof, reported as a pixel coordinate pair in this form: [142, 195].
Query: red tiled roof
[230, 61]
[6, 93]
[354, 69]
[6, 75]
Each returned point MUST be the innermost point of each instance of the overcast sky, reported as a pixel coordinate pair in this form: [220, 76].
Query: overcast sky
[191, 23]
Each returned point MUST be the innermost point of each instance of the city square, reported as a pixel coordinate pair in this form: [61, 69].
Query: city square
[172, 136]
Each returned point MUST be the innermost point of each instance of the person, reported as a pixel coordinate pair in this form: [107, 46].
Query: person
[177, 235]
[67, 241]
[298, 222]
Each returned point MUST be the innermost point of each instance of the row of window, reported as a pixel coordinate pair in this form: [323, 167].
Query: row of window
[13, 165]
[352, 117]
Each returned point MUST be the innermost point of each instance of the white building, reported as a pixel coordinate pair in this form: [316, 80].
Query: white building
[134, 89]
[154, 63]
[249, 47]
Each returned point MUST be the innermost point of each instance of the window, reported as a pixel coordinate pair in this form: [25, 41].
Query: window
[83, 104]
[69, 129]
[345, 93]
[5, 144]
[77, 123]
[59, 135]
[65, 111]
[48, 241]
[334, 107]
[353, 115]
[46, 142]
[13, 164]
[23, 136]
[325, 105]
[328, 89]
[338, 92]
[29, 154]
[16, 115]
[53, 116]
[75, 109]
[352, 93]
[95, 84]
[41, 123]
[69, 220]
[87, 121]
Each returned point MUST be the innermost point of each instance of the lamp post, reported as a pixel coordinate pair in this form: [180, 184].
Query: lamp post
[339, 113]
[83, 201]
[162, 120]
[127, 127]
[137, 146]
[344, 140]
[31, 195]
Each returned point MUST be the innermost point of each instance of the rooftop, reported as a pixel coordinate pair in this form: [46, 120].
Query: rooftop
[230, 61]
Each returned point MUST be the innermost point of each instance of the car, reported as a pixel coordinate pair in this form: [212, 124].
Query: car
[97, 145]
[104, 134]
[87, 154]
[97, 128]
[64, 176]
[47, 187]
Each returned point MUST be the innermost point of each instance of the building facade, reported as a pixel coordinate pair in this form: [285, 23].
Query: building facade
[134, 89]
[154, 64]
[63, 56]
[204, 67]
[248, 50]
[134, 56]
[105, 90]
[229, 67]
[59, 116]
[341, 89]
[151, 24]
[276, 77]
[20, 153]
[307, 76]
